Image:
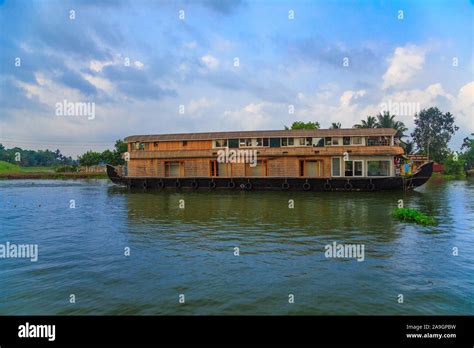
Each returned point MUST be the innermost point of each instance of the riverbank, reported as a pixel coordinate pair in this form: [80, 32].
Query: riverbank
[9, 171]
[51, 175]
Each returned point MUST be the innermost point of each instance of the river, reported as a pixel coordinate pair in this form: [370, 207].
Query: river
[123, 252]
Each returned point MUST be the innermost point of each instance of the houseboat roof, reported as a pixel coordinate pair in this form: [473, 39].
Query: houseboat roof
[314, 133]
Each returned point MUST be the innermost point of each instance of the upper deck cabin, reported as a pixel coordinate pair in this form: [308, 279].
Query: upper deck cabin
[279, 153]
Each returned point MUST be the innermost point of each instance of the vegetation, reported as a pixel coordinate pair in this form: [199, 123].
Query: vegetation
[408, 147]
[336, 125]
[303, 125]
[31, 158]
[371, 122]
[433, 131]
[6, 167]
[384, 120]
[454, 165]
[413, 215]
[92, 158]
[468, 154]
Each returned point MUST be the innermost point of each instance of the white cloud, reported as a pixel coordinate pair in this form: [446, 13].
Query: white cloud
[349, 96]
[404, 64]
[463, 107]
[254, 116]
[196, 107]
[210, 61]
[138, 64]
[97, 66]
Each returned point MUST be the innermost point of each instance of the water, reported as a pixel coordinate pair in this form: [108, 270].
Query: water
[191, 251]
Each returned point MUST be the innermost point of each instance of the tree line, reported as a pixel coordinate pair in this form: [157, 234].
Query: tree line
[48, 158]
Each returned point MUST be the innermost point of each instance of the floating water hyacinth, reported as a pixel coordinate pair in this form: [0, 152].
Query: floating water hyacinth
[413, 215]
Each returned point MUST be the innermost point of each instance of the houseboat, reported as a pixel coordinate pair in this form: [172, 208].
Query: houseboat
[302, 159]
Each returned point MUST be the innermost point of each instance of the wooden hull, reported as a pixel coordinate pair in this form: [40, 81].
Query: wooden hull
[276, 183]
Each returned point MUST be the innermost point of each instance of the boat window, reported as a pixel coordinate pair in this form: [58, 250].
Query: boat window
[335, 141]
[336, 166]
[346, 140]
[275, 142]
[378, 168]
[318, 142]
[233, 143]
[301, 141]
[291, 141]
[348, 168]
[265, 141]
[358, 168]
[328, 141]
[247, 142]
[172, 169]
[284, 141]
[221, 143]
[309, 141]
[356, 140]
[260, 169]
[378, 141]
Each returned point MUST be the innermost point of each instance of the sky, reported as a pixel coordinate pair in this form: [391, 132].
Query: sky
[152, 67]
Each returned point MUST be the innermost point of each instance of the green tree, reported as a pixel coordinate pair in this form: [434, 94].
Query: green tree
[107, 156]
[335, 125]
[386, 120]
[371, 122]
[304, 125]
[90, 158]
[468, 154]
[408, 146]
[432, 133]
[454, 165]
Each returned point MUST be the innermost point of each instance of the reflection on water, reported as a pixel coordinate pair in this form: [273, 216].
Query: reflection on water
[191, 251]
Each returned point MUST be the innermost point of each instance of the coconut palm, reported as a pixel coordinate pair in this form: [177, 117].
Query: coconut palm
[335, 125]
[408, 146]
[386, 120]
[371, 122]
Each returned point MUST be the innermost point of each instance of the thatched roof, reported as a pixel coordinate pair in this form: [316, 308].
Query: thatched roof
[314, 133]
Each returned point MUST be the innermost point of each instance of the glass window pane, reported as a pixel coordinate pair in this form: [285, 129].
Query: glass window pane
[378, 168]
[336, 167]
[349, 167]
[357, 168]
[291, 141]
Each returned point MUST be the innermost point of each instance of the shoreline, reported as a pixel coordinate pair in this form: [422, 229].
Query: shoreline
[51, 175]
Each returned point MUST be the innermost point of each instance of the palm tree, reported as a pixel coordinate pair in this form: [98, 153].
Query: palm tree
[371, 122]
[386, 120]
[408, 146]
[335, 125]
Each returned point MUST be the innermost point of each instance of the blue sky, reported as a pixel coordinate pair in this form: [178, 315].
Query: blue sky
[335, 61]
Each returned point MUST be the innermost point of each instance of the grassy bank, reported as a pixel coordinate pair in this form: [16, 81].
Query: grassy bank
[13, 171]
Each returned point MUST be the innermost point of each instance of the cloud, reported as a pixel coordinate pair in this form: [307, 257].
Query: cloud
[349, 96]
[211, 62]
[404, 64]
[196, 107]
[255, 116]
[463, 107]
